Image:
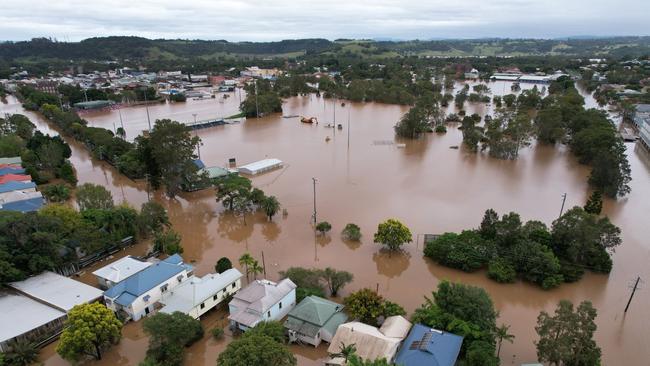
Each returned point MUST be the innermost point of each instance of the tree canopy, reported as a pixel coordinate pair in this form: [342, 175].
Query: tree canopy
[88, 329]
[169, 334]
[393, 234]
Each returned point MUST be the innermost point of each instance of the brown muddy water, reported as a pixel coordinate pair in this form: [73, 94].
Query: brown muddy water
[425, 184]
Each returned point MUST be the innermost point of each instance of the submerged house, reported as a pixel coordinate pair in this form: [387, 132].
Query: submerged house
[118, 271]
[198, 295]
[425, 346]
[261, 300]
[314, 320]
[372, 343]
[138, 295]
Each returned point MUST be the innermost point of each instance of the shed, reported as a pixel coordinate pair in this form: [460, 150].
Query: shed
[17, 186]
[11, 170]
[57, 291]
[119, 270]
[425, 346]
[28, 205]
[15, 178]
[314, 320]
[260, 166]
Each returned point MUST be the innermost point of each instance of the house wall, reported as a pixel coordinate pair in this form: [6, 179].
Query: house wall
[38, 335]
[215, 299]
[138, 307]
[277, 312]
[314, 341]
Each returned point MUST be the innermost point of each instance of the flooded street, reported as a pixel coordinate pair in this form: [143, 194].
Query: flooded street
[365, 178]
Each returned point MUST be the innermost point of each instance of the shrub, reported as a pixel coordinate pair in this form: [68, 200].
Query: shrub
[217, 333]
[441, 129]
[223, 264]
[501, 271]
[351, 232]
[56, 192]
[323, 227]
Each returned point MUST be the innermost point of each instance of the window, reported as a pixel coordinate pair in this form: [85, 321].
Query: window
[202, 305]
[108, 301]
[233, 285]
[214, 298]
[280, 304]
[180, 278]
[163, 288]
[269, 314]
[146, 298]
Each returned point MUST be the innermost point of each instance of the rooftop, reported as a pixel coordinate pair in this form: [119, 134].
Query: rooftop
[314, 313]
[12, 160]
[28, 205]
[58, 291]
[16, 186]
[259, 296]
[196, 290]
[11, 170]
[261, 165]
[121, 269]
[20, 314]
[15, 177]
[124, 292]
[431, 347]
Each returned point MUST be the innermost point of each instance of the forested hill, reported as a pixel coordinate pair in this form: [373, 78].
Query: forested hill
[137, 48]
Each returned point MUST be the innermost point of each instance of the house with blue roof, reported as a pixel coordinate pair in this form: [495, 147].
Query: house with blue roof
[425, 346]
[139, 294]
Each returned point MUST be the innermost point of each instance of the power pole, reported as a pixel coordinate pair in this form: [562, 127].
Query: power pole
[348, 128]
[257, 106]
[314, 181]
[146, 106]
[263, 264]
[636, 285]
[563, 201]
[198, 147]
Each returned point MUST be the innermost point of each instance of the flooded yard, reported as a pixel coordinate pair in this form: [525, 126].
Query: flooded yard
[364, 177]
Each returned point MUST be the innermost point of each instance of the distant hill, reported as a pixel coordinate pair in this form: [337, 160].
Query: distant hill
[137, 48]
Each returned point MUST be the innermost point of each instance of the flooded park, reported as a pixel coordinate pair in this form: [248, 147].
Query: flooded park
[365, 175]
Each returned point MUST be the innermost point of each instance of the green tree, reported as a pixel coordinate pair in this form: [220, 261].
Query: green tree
[271, 206]
[169, 334]
[549, 125]
[501, 335]
[56, 192]
[272, 329]
[595, 203]
[566, 338]
[392, 234]
[351, 232]
[367, 306]
[93, 196]
[21, 353]
[336, 279]
[168, 242]
[153, 218]
[467, 251]
[256, 350]
[412, 124]
[255, 268]
[345, 352]
[88, 329]
[501, 270]
[246, 261]
[308, 282]
[230, 187]
[323, 227]
[173, 148]
[223, 264]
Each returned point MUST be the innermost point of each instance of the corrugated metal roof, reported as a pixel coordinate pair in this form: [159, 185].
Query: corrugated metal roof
[257, 298]
[438, 349]
[15, 196]
[10, 170]
[121, 269]
[196, 290]
[32, 204]
[15, 177]
[19, 314]
[16, 186]
[59, 291]
[11, 160]
[315, 310]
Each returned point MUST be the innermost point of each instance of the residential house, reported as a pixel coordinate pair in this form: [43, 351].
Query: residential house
[118, 271]
[35, 309]
[641, 115]
[371, 343]
[138, 295]
[198, 295]
[425, 346]
[472, 74]
[644, 133]
[314, 320]
[261, 300]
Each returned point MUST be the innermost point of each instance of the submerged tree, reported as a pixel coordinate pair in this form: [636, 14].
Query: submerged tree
[393, 234]
[93, 196]
[595, 203]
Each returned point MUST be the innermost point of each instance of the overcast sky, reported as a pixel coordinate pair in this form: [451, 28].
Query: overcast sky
[264, 20]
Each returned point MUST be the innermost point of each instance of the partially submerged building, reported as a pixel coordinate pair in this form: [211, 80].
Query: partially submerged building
[261, 300]
[314, 320]
[198, 295]
[118, 271]
[260, 166]
[425, 346]
[35, 309]
[371, 343]
[138, 295]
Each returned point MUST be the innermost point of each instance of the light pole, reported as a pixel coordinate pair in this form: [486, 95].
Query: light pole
[314, 181]
[198, 146]
[146, 106]
[563, 201]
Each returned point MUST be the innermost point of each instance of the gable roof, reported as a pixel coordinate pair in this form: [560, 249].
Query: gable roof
[58, 291]
[11, 170]
[12, 160]
[257, 298]
[126, 291]
[431, 347]
[15, 196]
[314, 313]
[196, 290]
[16, 186]
[121, 269]
[15, 177]
[28, 205]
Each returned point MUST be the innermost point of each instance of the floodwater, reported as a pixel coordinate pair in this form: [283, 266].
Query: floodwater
[364, 177]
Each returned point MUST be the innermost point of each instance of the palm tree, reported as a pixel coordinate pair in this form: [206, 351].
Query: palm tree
[345, 352]
[255, 269]
[120, 133]
[271, 206]
[22, 354]
[245, 261]
[501, 334]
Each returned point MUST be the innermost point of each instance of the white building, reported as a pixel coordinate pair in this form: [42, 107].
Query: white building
[260, 166]
[198, 295]
[119, 270]
[138, 295]
[262, 300]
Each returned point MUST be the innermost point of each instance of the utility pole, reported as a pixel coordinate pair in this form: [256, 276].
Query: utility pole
[636, 285]
[263, 264]
[146, 106]
[198, 147]
[257, 106]
[334, 133]
[314, 181]
[348, 128]
[563, 201]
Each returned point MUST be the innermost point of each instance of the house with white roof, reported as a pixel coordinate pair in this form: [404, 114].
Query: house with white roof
[372, 343]
[138, 295]
[198, 295]
[119, 270]
[35, 309]
[261, 300]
